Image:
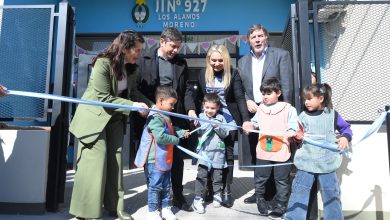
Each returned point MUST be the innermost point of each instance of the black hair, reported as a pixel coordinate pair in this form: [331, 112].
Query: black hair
[171, 34]
[318, 90]
[271, 85]
[212, 97]
[125, 40]
[165, 92]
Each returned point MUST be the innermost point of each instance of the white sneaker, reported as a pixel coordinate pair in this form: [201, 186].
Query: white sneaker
[197, 205]
[155, 215]
[167, 214]
[217, 201]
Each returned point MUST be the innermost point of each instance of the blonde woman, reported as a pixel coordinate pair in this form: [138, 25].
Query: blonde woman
[221, 78]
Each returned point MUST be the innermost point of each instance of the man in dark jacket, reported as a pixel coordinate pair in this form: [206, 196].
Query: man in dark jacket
[164, 67]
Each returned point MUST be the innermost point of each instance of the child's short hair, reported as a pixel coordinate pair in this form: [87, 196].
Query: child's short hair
[211, 97]
[271, 85]
[165, 92]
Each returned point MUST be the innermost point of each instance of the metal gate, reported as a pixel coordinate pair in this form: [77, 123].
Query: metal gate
[347, 44]
[352, 42]
[31, 36]
[26, 36]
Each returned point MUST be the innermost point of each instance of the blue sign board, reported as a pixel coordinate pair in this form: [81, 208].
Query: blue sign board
[186, 15]
[101, 16]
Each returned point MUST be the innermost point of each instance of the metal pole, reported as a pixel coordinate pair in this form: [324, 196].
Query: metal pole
[387, 108]
[297, 91]
[60, 114]
[316, 43]
[303, 45]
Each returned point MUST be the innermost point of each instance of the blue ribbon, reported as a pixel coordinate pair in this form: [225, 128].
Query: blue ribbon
[267, 165]
[374, 127]
[334, 147]
[197, 156]
[111, 105]
[331, 146]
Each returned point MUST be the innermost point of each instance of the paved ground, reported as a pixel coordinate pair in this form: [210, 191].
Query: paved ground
[136, 198]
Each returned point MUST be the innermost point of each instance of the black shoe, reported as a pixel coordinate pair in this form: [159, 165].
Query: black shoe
[262, 206]
[81, 218]
[251, 199]
[208, 196]
[181, 203]
[277, 212]
[227, 199]
[276, 215]
[122, 215]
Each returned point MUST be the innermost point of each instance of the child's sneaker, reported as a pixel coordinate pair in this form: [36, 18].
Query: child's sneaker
[155, 215]
[167, 214]
[217, 201]
[197, 205]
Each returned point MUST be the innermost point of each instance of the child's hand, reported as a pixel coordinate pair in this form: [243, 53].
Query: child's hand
[291, 134]
[247, 126]
[299, 135]
[186, 134]
[215, 125]
[343, 143]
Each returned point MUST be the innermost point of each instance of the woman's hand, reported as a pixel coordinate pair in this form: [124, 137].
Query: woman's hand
[144, 112]
[3, 90]
[192, 113]
[247, 126]
[252, 106]
[343, 143]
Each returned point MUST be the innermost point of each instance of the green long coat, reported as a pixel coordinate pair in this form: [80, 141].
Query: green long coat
[98, 179]
[90, 120]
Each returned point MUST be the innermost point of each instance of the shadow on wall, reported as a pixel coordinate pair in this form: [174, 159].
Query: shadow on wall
[377, 196]
[376, 193]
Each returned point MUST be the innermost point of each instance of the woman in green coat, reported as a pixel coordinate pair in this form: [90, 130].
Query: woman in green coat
[98, 180]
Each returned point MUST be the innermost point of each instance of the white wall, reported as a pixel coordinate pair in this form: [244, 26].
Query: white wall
[365, 179]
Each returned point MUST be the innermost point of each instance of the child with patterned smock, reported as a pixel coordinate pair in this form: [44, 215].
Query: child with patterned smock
[278, 122]
[212, 146]
[319, 123]
[156, 151]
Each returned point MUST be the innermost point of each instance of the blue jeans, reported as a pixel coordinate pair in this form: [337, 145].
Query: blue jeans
[159, 185]
[299, 198]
